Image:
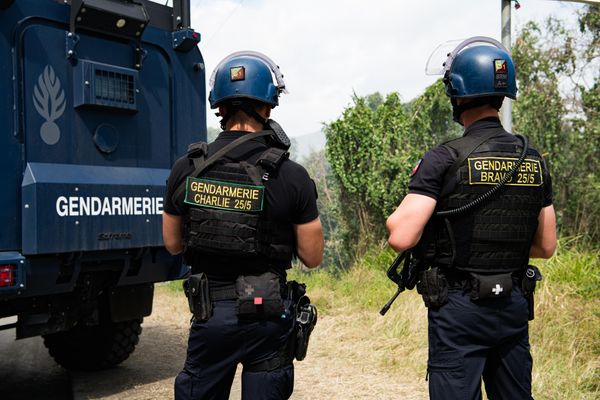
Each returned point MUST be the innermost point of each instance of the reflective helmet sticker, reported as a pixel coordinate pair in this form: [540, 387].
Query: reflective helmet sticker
[237, 74]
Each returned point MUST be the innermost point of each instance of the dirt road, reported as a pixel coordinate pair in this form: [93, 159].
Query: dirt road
[340, 364]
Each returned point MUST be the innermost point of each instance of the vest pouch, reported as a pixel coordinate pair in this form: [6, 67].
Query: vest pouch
[196, 290]
[490, 286]
[259, 296]
[217, 232]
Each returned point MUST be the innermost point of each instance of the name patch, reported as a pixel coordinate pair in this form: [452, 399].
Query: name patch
[491, 170]
[224, 195]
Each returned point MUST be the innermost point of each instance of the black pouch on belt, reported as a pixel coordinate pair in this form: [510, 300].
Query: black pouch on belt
[198, 295]
[433, 286]
[490, 286]
[259, 297]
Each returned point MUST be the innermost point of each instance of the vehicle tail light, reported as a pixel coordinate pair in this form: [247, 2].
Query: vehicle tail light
[8, 275]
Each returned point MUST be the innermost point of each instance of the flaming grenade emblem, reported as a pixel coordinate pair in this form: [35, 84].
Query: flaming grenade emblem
[49, 101]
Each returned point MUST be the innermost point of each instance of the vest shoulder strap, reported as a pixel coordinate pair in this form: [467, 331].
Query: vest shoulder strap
[198, 149]
[201, 163]
[197, 152]
[463, 147]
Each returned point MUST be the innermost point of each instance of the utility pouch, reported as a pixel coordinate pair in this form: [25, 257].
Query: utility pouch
[490, 286]
[198, 295]
[259, 297]
[433, 287]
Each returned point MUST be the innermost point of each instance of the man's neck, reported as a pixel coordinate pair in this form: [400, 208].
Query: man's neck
[468, 117]
[247, 126]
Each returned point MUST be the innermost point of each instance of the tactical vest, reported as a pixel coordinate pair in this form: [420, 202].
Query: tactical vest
[496, 236]
[225, 211]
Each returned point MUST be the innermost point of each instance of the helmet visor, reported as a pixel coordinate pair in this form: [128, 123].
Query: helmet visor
[440, 61]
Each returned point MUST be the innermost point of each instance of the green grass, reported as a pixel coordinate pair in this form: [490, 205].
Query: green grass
[577, 271]
[172, 286]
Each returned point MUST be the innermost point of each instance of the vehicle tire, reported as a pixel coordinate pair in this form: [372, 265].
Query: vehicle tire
[92, 348]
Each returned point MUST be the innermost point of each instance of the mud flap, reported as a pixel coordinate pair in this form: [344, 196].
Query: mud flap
[130, 302]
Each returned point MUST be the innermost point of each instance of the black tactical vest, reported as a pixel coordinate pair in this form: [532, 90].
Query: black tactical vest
[496, 236]
[225, 212]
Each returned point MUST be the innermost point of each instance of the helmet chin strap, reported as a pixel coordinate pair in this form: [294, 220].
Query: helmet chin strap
[457, 110]
[247, 109]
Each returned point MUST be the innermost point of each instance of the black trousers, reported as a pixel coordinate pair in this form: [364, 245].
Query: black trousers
[487, 339]
[217, 346]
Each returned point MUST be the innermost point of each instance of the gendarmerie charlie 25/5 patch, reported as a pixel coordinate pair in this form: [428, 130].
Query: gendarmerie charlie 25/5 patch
[224, 195]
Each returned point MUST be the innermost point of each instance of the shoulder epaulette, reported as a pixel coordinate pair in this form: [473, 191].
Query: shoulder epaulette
[272, 158]
[198, 149]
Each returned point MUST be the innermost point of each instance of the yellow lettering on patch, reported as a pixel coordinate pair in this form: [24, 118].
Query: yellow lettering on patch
[224, 195]
[492, 170]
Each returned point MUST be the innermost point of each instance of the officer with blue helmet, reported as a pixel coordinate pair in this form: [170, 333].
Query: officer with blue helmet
[478, 208]
[240, 210]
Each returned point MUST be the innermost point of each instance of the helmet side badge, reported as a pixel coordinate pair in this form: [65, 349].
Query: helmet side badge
[237, 74]
[500, 74]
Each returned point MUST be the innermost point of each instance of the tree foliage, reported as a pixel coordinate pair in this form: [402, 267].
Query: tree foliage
[335, 231]
[372, 149]
[558, 108]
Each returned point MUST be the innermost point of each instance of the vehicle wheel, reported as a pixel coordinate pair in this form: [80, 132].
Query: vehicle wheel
[91, 348]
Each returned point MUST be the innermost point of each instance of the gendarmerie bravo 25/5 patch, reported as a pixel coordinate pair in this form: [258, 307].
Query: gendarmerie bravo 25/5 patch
[491, 170]
[224, 195]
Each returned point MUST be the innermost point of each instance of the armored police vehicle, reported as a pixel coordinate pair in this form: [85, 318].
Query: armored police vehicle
[98, 99]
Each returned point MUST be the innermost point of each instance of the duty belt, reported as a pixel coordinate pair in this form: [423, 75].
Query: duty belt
[228, 293]
[223, 293]
[460, 279]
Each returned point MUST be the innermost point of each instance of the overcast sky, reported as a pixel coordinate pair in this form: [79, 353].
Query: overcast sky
[328, 49]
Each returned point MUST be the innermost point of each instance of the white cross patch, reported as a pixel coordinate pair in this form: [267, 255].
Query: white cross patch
[497, 290]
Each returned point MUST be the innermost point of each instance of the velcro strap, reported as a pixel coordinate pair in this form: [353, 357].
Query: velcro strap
[230, 246]
[235, 231]
[197, 214]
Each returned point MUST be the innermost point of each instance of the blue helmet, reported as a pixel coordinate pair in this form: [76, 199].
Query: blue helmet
[247, 75]
[478, 70]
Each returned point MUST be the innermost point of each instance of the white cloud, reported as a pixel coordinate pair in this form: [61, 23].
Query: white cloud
[329, 49]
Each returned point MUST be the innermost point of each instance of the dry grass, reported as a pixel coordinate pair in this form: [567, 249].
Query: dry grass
[565, 335]
[357, 354]
[565, 339]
